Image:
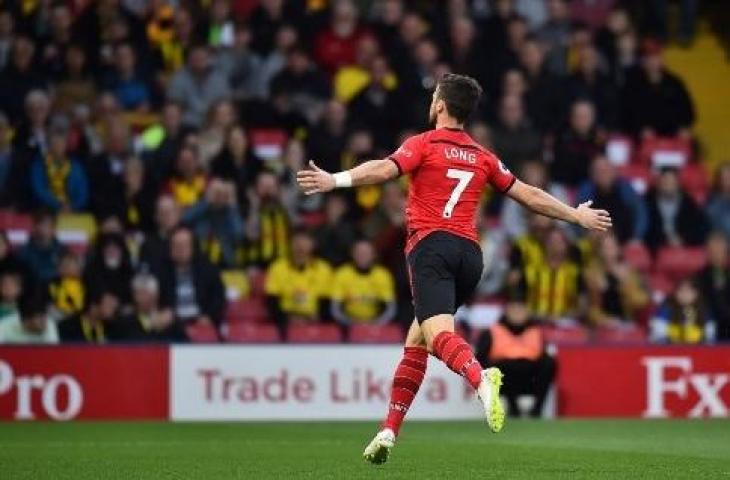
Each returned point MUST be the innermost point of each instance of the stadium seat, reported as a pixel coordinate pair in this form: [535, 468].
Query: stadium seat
[695, 180]
[198, 333]
[248, 310]
[268, 143]
[662, 152]
[677, 263]
[17, 226]
[638, 257]
[575, 335]
[315, 333]
[639, 175]
[257, 280]
[236, 283]
[76, 230]
[376, 334]
[252, 333]
[620, 150]
[661, 286]
[620, 335]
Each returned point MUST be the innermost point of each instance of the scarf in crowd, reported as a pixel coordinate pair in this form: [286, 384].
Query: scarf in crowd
[186, 192]
[57, 172]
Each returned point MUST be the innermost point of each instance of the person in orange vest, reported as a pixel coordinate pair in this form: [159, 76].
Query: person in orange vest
[515, 345]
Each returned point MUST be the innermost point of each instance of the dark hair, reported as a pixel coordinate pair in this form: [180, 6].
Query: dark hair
[461, 95]
[33, 302]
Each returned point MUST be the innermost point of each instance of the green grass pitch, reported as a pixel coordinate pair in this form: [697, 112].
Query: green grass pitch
[532, 450]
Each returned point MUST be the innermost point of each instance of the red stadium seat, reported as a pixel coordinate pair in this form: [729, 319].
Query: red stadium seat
[199, 333]
[249, 310]
[257, 282]
[268, 143]
[695, 181]
[620, 335]
[665, 152]
[16, 226]
[376, 334]
[575, 335]
[638, 257]
[252, 333]
[316, 333]
[677, 263]
[640, 176]
[661, 285]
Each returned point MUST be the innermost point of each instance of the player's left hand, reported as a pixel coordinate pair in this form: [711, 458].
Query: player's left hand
[315, 180]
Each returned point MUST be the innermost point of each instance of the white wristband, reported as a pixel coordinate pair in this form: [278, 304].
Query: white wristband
[343, 180]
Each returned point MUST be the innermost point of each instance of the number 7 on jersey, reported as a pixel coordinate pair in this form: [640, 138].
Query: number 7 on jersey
[464, 177]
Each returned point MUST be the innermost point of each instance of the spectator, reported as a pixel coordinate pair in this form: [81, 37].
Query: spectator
[349, 80]
[615, 290]
[197, 86]
[236, 163]
[76, 85]
[658, 13]
[515, 345]
[616, 195]
[20, 77]
[544, 95]
[7, 31]
[655, 100]
[268, 223]
[136, 208]
[109, 268]
[67, 290]
[11, 291]
[155, 245]
[130, 88]
[212, 137]
[304, 86]
[105, 170]
[335, 46]
[43, 251]
[555, 34]
[31, 325]
[336, 235]
[190, 284]
[219, 29]
[327, 139]
[718, 205]
[674, 217]
[363, 291]
[577, 145]
[162, 141]
[188, 182]
[714, 283]
[149, 321]
[216, 222]
[10, 261]
[241, 65]
[515, 140]
[96, 323]
[554, 286]
[514, 218]
[58, 182]
[529, 248]
[298, 287]
[684, 317]
[590, 81]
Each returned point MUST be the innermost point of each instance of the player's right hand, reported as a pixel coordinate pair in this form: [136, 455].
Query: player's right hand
[315, 180]
[593, 219]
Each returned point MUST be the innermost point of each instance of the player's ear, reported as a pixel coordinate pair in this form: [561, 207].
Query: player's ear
[440, 106]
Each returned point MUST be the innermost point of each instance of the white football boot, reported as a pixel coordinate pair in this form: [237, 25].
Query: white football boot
[488, 394]
[379, 447]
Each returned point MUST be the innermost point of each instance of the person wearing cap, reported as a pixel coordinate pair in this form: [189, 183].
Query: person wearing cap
[515, 345]
[655, 100]
[58, 182]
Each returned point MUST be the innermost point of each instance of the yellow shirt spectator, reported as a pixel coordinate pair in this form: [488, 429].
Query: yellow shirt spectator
[363, 293]
[299, 289]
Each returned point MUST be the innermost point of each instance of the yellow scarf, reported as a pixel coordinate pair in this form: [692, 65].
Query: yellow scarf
[57, 172]
[93, 333]
[186, 192]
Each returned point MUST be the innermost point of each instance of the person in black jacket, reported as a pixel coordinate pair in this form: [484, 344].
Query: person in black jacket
[190, 284]
[674, 217]
[96, 323]
[655, 101]
[110, 268]
[714, 283]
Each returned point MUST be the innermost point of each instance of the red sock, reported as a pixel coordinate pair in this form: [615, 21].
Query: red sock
[451, 349]
[406, 382]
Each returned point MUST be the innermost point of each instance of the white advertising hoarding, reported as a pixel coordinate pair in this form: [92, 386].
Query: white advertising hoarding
[304, 383]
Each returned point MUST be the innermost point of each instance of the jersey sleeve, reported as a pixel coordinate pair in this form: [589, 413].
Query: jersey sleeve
[409, 155]
[499, 175]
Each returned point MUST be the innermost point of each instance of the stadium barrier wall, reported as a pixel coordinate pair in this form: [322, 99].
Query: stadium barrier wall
[285, 382]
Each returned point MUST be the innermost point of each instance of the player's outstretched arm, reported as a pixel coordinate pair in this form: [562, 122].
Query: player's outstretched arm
[315, 180]
[542, 202]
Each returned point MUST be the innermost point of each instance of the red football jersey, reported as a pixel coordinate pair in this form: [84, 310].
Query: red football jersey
[449, 172]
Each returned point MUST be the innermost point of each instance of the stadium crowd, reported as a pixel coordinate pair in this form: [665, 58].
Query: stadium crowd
[148, 149]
